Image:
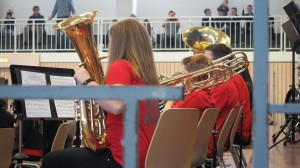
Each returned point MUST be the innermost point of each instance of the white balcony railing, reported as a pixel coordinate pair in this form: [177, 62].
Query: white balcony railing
[239, 29]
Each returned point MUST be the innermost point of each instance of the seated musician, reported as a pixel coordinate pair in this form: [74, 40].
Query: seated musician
[200, 99]
[7, 119]
[216, 51]
[130, 63]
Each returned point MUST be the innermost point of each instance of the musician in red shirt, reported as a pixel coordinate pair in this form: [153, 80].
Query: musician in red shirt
[200, 99]
[225, 97]
[216, 51]
[130, 63]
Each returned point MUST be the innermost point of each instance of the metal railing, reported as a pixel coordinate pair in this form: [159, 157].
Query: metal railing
[44, 39]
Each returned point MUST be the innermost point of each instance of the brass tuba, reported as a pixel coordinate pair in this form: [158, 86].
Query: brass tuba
[80, 31]
[198, 38]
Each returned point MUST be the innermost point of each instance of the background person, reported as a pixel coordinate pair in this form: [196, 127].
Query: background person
[171, 26]
[39, 25]
[9, 24]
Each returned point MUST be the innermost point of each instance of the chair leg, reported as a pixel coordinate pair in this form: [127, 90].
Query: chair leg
[235, 157]
[221, 162]
[244, 162]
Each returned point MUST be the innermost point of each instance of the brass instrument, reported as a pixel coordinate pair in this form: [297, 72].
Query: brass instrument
[238, 61]
[204, 78]
[80, 31]
[198, 38]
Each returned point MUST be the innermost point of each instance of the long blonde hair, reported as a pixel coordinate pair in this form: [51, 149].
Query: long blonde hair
[130, 41]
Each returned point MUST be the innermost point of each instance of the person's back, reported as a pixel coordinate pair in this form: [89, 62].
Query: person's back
[200, 99]
[244, 98]
[225, 97]
[148, 114]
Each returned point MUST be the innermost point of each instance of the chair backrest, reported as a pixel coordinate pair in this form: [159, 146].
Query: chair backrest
[236, 124]
[60, 137]
[173, 139]
[71, 134]
[6, 146]
[204, 131]
[223, 135]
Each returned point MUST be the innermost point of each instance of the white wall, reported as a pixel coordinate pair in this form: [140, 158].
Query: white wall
[23, 8]
[145, 8]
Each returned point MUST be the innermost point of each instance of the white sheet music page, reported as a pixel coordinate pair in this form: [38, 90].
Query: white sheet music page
[38, 108]
[64, 108]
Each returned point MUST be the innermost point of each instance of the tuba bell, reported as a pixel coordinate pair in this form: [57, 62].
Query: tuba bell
[198, 38]
[92, 118]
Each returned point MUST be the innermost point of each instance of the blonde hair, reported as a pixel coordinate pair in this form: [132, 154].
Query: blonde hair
[130, 41]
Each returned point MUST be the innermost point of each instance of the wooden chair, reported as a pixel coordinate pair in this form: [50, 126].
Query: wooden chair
[71, 134]
[58, 143]
[204, 131]
[6, 146]
[223, 135]
[235, 149]
[227, 126]
[173, 139]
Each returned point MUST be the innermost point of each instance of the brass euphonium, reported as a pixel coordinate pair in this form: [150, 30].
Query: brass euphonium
[80, 31]
[238, 61]
[197, 80]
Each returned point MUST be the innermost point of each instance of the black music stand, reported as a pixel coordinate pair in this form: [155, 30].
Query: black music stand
[292, 30]
[16, 71]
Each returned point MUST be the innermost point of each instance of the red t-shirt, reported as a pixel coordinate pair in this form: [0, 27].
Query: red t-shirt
[244, 98]
[198, 99]
[225, 97]
[121, 72]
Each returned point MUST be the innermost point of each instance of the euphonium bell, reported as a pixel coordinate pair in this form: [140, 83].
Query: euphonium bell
[80, 31]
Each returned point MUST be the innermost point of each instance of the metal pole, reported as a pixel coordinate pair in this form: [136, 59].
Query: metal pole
[261, 83]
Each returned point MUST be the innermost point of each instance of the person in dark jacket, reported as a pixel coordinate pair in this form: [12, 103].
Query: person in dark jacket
[39, 24]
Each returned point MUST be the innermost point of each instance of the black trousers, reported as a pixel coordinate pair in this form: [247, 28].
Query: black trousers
[80, 158]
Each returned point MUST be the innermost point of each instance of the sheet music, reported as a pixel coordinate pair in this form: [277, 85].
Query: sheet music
[64, 108]
[35, 108]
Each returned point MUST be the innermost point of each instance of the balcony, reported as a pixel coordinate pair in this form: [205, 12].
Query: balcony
[239, 29]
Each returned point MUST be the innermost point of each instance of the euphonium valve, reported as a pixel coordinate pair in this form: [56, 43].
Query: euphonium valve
[238, 61]
[80, 31]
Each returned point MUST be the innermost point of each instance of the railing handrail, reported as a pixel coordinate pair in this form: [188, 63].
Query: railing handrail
[241, 39]
[144, 17]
